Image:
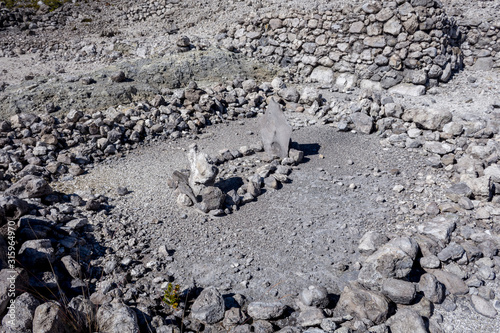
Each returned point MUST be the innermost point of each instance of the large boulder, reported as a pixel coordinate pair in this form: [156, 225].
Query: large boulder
[430, 119]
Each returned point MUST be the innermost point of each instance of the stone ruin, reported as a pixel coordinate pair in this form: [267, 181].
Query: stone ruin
[197, 188]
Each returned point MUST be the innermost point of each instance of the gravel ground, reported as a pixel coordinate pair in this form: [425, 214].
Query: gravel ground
[307, 232]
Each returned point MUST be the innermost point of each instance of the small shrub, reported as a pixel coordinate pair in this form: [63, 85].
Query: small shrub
[172, 295]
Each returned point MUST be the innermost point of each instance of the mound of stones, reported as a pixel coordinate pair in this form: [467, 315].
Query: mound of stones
[197, 187]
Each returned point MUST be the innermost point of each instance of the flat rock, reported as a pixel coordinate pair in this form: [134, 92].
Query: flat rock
[454, 284]
[371, 241]
[408, 89]
[482, 306]
[265, 310]
[439, 227]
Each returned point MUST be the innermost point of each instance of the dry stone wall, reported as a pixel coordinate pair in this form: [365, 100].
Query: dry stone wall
[380, 44]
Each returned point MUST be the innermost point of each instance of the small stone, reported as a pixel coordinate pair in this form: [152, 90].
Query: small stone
[314, 296]
[122, 190]
[118, 77]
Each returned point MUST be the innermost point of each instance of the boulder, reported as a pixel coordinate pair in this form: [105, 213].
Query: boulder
[50, 318]
[20, 319]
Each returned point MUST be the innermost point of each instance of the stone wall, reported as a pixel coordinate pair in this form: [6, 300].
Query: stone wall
[481, 44]
[385, 43]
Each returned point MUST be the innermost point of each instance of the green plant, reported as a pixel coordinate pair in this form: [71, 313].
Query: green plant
[172, 295]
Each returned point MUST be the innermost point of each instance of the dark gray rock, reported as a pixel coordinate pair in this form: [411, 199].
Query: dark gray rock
[37, 253]
[432, 289]
[29, 187]
[275, 131]
[17, 277]
[454, 284]
[458, 191]
[399, 291]
[453, 251]
[310, 317]
[211, 198]
[209, 306]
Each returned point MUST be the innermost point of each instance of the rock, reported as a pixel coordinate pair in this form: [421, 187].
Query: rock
[310, 317]
[408, 89]
[453, 251]
[183, 41]
[208, 306]
[432, 289]
[82, 310]
[483, 64]
[439, 227]
[50, 318]
[430, 261]
[74, 115]
[457, 191]
[399, 291]
[328, 325]
[371, 241]
[116, 318]
[430, 118]
[233, 317]
[362, 122]
[322, 75]
[118, 77]
[275, 131]
[441, 148]
[493, 171]
[454, 284]
[13, 207]
[29, 187]
[20, 319]
[289, 94]
[262, 326]
[346, 81]
[362, 304]
[482, 306]
[17, 277]
[406, 320]
[203, 171]
[392, 260]
[296, 155]
[265, 310]
[314, 296]
[37, 253]
[481, 186]
[211, 198]
[309, 95]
